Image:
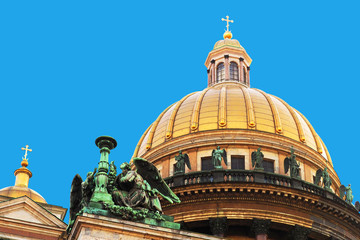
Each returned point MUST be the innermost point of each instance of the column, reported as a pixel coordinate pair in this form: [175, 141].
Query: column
[209, 78]
[241, 70]
[227, 68]
[213, 70]
[248, 76]
[218, 226]
[261, 228]
[300, 233]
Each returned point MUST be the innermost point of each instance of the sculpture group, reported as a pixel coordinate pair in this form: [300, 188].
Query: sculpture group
[132, 194]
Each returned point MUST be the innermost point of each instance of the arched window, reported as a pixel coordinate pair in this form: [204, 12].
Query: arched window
[244, 71]
[220, 72]
[234, 71]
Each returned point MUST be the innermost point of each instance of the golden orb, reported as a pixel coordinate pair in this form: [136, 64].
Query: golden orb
[227, 35]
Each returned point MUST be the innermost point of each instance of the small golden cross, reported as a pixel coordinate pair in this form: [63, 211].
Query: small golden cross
[227, 22]
[26, 148]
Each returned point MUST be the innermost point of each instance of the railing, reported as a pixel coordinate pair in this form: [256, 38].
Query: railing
[248, 176]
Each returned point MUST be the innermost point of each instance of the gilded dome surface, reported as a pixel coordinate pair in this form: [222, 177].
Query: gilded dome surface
[231, 106]
[16, 191]
[227, 43]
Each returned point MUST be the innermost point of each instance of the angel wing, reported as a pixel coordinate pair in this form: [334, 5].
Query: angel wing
[357, 205]
[151, 174]
[286, 164]
[317, 176]
[75, 196]
[342, 191]
[224, 155]
[187, 161]
[253, 158]
[212, 155]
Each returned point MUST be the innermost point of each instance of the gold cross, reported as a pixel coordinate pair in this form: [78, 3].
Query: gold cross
[26, 148]
[227, 22]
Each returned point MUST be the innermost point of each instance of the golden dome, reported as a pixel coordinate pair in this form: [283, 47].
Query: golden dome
[230, 106]
[22, 176]
[227, 42]
[16, 191]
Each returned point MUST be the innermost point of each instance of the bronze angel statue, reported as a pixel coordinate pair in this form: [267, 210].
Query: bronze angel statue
[325, 176]
[134, 192]
[347, 192]
[257, 158]
[292, 164]
[181, 160]
[216, 156]
[80, 193]
[140, 188]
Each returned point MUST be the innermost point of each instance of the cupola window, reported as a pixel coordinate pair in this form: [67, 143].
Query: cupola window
[220, 73]
[234, 71]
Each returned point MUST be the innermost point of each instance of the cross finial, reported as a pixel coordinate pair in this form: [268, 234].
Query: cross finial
[26, 148]
[227, 22]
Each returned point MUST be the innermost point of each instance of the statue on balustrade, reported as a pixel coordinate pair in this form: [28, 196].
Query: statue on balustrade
[325, 176]
[257, 158]
[216, 156]
[292, 164]
[181, 160]
[347, 192]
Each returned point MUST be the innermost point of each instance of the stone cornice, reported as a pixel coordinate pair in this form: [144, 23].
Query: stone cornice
[255, 194]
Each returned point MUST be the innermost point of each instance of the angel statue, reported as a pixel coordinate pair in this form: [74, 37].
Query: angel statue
[139, 189]
[80, 193]
[290, 162]
[326, 178]
[181, 160]
[257, 158]
[348, 196]
[216, 156]
[112, 176]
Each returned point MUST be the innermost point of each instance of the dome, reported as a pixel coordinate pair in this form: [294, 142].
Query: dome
[227, 43]
[15, 191]
[232, 107]
[22, 176]
[226, 152]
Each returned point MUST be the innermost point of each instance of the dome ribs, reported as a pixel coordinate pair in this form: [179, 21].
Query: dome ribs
[249, 108]
[297, 122]
[140, 142]
[326, 152]
[222, 107]
[316, 137]
[274, 110]
[196, 110]
[170, 126]
[154, 126]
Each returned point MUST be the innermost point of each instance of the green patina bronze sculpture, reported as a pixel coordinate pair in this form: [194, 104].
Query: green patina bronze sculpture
[216, 156]
[293, 165]
[325, 176]
[181, 160]
[257, 158]
[112, 176]
[131, 195]
[347, 192]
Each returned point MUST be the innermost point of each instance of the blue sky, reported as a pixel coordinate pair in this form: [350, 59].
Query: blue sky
[71, 71]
